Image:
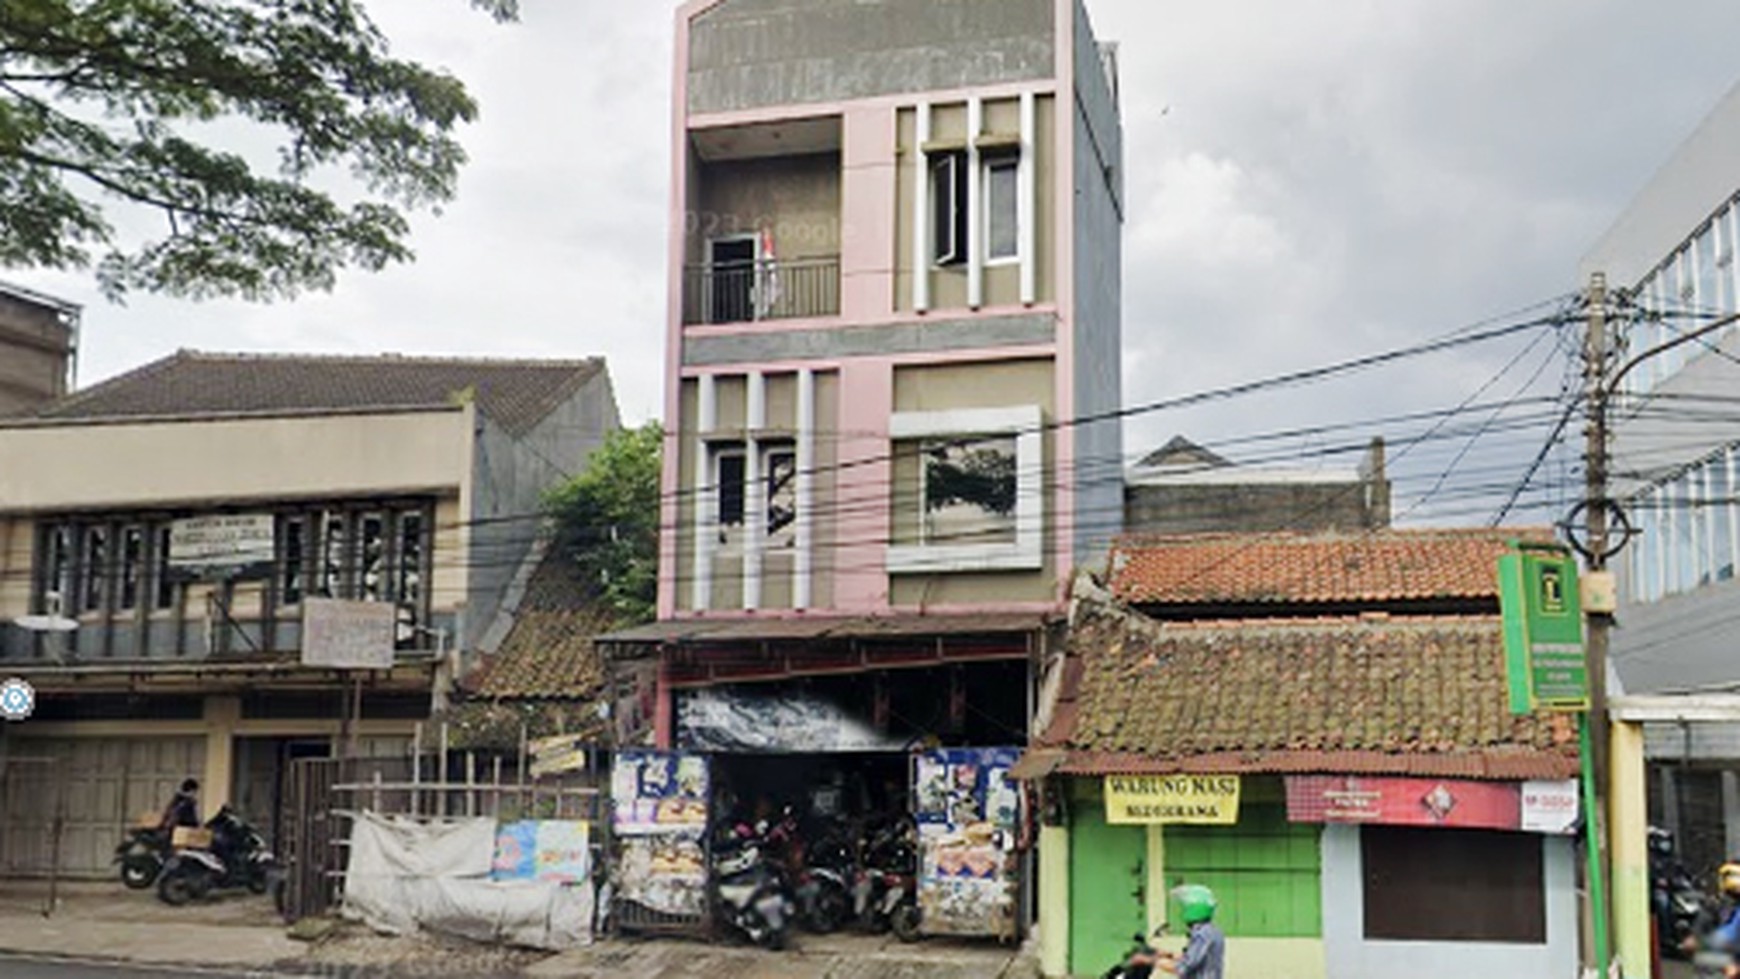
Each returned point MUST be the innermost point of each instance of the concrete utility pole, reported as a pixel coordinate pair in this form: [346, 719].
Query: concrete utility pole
[1597, 623]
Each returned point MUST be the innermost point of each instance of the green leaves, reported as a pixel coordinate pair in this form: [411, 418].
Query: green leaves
[101, 101]
[607, 521]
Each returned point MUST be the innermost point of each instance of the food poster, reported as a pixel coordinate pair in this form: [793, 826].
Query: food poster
[657, 792]
[968, 812]
[663, 873]
[548, 850]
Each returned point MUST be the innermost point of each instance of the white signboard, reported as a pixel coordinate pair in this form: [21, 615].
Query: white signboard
[228, 541]
[1549, 807]
[344, 635]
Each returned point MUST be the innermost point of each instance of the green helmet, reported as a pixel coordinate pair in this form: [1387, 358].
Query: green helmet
[1197, 902]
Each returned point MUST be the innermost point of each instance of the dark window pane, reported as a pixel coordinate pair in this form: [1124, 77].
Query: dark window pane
[165, 587]
[294, 560]
[1001, 217]
[731, 489]
[372, 566]
[1452, 885]
[132, 558]
[96, 567]
[781, 467]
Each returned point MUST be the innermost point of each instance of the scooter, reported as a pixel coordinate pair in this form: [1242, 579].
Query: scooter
[142, 856]
[1128, 968]
[748, 894]
[823, 885]
[237, 857]
[1680, 907]
[885, 894]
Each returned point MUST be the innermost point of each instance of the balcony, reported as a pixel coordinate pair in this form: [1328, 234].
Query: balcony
[750, 290]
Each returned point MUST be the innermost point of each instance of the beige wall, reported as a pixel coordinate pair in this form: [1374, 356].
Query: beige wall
[796, 197]
[1002, 117]
[945, 387]
[67, 467]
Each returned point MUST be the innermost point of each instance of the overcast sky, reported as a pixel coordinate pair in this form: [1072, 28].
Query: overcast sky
[1309, 180]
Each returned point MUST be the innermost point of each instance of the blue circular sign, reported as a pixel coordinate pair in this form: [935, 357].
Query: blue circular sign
[17, 699]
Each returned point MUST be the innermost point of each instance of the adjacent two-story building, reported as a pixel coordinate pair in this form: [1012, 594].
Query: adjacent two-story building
[1671, 254]
[893, 370]
[38, 348]
[161, 532]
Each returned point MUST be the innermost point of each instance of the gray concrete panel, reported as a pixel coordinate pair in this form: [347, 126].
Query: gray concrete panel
[749, 54]
[929, 336]
[1683, 642]
[1695, 182]
[1687, 423]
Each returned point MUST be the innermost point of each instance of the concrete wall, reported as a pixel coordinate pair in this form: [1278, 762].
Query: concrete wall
[509, 479]
[1679, 643]
[1190, 508]
[1350, 955]
[1098, 314]
[74, 467]
[747, 54]
[35, 353]
[1694, 183]
[795, 197]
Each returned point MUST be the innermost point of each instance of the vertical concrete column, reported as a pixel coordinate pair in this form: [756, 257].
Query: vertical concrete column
[1155, 883]
[1026, 209]
[869, 176]
[754, 491]
[706, 502]
[975, 205]
[222, 713]
[1628, 832]
[864, 522]
[1054, 900]
[921, 215]
[803, 562]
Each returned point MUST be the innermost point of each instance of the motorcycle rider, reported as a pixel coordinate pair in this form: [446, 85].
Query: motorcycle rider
[1724, 933]
[183, 809]
[1204, 955]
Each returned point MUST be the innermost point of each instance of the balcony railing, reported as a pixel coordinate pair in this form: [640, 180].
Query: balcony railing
[743, 292]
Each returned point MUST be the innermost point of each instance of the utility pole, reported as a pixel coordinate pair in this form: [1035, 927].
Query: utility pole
[1597, 623]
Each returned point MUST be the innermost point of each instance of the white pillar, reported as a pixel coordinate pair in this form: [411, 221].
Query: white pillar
[706, 492]
[806, 487]
[754, 492]
[975, 206]
[1025, 204]
[921, 215]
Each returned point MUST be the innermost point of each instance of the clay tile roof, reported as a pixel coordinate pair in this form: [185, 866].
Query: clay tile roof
[517, 394]
[1297, 568]
[549, 653]
[1421, 696]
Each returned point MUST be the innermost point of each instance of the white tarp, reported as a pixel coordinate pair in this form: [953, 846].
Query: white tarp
[405, 875]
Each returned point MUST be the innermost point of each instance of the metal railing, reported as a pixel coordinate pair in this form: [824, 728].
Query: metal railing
[742, 292]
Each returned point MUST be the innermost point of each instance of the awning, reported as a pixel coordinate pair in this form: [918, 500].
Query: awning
[800, 628]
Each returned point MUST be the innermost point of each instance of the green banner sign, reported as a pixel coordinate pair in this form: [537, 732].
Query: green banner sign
[1543, 629]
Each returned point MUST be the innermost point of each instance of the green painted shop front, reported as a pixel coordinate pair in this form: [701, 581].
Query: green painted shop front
[1108, 883]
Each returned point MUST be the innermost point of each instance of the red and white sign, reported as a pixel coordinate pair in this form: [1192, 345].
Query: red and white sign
[1535, 807]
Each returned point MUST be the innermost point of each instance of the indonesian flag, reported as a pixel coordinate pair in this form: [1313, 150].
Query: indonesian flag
[767, 276]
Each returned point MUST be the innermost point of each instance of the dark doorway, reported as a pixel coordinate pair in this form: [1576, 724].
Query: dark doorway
[732, 270]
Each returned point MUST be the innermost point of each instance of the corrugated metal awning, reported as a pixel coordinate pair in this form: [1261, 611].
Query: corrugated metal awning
[804, 627]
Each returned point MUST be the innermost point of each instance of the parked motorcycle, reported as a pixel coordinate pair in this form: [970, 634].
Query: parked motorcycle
[748, 893]
[142, 856]
[237, 857]
[1679, 905]
[823, 884]
[886, 890]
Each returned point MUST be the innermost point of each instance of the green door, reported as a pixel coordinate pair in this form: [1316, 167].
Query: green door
[1108, 878]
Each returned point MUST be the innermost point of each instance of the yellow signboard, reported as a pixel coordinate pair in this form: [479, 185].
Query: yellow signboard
[1198, 799]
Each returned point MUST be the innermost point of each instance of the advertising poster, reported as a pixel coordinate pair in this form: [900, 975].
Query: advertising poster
[1199, 800]
[1551, 807]
[550, 850]
[968, 812]
[657, 792]
[667, 874]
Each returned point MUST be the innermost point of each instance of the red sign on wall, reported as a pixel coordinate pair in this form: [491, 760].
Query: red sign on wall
[1538, 807]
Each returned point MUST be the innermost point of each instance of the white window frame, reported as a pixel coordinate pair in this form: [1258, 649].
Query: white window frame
[956, 253]
[1026, 552]
[1012, 163]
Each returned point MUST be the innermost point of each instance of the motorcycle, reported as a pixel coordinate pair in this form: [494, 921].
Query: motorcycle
[142, 856]
[1128, 967]
[822, 884]
[237, 857]
[1680, 907]
[885, 894]
[748, 894]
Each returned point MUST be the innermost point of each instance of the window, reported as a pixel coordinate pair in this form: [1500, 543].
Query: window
[948, 201]
[778, 478]
[408, 583]
[1002, 210]
[372, 554]
[968, 490]
[57, 571]
[334, 530]
[1265, 871]
[293, 531]
[1452, 885]
[132, 566]
[95, 568]
[164, 590]
[969, 494]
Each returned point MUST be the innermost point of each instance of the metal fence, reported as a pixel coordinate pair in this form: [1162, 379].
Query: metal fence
[741, 292]
[328, 793]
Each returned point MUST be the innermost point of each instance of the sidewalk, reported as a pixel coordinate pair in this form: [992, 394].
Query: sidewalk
[105, 921]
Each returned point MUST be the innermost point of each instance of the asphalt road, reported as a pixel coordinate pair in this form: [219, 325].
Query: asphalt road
[33, 968]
